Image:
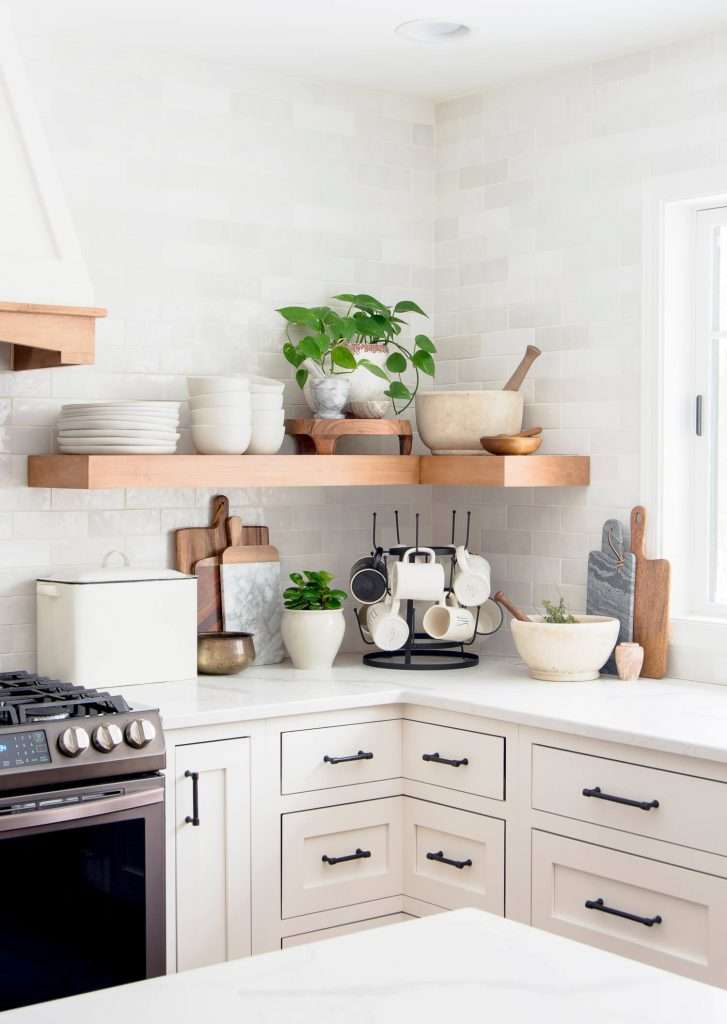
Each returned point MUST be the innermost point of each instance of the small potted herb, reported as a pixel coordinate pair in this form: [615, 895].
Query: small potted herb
[313, 625]
[340, 354]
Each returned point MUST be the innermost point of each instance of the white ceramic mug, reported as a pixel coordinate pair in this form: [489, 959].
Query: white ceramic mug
[417, 581]
[489, 619]
[472, 582]
[448, 621]
[388, 629]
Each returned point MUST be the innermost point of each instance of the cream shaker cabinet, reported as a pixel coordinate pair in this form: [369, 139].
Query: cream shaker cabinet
[212, 848]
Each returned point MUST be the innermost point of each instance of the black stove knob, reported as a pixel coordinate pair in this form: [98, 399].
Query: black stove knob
[107, 737]
[140, 732]
[73, 741]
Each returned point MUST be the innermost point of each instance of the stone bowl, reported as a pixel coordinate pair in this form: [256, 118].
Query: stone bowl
[565, 652]
[452, 422]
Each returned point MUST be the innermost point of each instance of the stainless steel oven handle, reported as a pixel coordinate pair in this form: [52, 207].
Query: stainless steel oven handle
[75, 812]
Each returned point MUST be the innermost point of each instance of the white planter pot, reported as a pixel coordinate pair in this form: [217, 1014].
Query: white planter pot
[367, 399]
[330, 395]
[313, 638]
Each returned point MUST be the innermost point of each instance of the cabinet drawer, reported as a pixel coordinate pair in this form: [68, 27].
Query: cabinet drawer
[314, 875]
[690, 810]
[453, 858]
[343, 929]
[687, 909]
[324, 758]
[484, 771]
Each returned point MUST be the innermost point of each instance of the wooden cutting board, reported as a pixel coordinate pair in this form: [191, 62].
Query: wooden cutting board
[197, 542]
[207, 571]
[251, 598]
[651, 607]
[611, 583]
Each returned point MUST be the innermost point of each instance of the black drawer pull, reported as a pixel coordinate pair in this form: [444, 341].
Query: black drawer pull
[441, 859]
[362, 755]
[358, 855]
[193, 819]
[644, 805]
[598, 904]
[455, 763]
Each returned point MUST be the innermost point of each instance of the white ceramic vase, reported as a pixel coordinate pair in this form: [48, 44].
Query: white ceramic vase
[313, 638]
[367, 400]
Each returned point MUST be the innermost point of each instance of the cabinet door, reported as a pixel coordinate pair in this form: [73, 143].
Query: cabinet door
[453, 858]
[213, 857]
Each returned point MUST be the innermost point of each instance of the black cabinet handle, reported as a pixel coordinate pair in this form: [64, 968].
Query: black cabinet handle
[454, 762]
[194, 819]
[439, 856]
[358, 855]
[362, 755]
[644, 805]
[598, 904]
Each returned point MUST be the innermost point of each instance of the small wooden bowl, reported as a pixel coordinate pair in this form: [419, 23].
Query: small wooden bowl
[511, 445]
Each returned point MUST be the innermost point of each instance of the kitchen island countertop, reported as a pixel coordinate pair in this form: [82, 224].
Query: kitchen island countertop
[455, 967]
[671, 715]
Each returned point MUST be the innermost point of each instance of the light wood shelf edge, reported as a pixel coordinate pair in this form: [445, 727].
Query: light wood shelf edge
[43, 336]
[97, 472]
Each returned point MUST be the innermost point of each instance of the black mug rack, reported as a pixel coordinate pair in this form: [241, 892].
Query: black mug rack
[421, 652]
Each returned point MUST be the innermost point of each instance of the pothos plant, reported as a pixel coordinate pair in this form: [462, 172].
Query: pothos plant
[328, 334]
[311, 591]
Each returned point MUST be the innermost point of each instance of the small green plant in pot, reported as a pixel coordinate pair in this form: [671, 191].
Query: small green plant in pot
[363, 342]
[313, 625]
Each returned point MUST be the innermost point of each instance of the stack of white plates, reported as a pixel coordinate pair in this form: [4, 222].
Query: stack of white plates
[119, 428]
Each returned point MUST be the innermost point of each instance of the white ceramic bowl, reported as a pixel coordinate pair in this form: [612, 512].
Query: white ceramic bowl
[565, 652]
[221, 440]
[452, 422]
[220, 416]
[219, 400]
[266, 385]
[266, 401]
[266, 439]
[215, 385]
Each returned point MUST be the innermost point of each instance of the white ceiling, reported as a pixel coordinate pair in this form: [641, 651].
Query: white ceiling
[353, 41]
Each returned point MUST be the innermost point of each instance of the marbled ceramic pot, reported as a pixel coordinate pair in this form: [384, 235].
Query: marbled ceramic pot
[330, 395]
[313, 638]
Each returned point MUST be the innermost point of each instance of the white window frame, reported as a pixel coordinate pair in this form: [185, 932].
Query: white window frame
[672, 468]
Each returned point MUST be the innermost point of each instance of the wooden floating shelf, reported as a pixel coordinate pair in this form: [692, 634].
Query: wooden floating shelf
[100, 472]
[44, 336]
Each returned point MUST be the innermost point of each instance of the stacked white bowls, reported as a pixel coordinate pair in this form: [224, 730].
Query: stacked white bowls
[268, 416]
[221, 414]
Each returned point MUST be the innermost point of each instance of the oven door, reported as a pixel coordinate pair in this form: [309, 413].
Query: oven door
[82, 877]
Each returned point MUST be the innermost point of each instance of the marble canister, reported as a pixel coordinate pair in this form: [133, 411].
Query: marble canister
[629, 660]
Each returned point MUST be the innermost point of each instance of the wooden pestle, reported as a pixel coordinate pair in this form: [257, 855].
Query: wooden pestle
[531, 354]
[513, 609]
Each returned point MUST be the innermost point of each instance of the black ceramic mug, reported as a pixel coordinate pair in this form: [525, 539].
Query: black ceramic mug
[368, 582]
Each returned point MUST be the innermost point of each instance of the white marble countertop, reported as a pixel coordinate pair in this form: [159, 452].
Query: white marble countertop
[668, 714]
[447, 969]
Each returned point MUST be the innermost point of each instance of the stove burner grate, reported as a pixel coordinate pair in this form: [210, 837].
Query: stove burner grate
[26, 698]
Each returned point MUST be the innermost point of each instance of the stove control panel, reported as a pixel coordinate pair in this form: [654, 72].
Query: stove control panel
[24, 749]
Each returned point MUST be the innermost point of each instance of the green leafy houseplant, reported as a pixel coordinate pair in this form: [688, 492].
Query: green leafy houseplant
[311, 592]
[557, 614]
[327, 335]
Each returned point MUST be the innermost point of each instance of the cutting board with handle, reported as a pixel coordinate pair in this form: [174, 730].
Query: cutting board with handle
[207, 571]
[251, 598]
[651, 606]
[611, 583]
[196, 542]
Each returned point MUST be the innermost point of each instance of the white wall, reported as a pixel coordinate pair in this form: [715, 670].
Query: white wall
[204, 196]
[540, 189]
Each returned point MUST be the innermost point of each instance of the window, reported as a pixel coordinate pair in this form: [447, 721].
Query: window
[708, 582]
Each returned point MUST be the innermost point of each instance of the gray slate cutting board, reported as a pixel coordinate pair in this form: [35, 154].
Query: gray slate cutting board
[611, 583]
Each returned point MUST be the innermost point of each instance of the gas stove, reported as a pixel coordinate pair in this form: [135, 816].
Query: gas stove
[54, 732]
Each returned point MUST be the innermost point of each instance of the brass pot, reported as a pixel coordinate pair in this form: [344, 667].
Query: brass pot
[224, 654]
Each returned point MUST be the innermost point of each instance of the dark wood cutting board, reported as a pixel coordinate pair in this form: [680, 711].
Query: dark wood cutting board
[611, 583]
[651, 605]
[197, 542]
